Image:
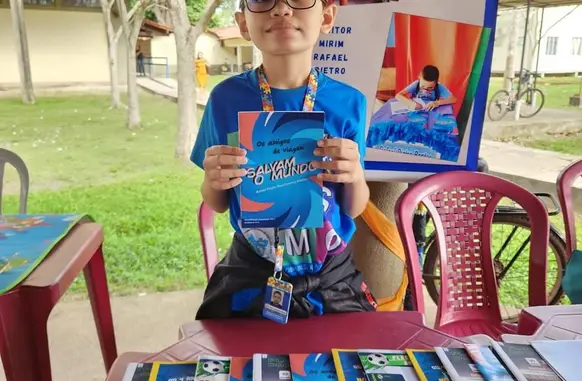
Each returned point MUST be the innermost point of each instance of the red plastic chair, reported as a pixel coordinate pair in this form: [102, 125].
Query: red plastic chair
[208, 238]
[565, 184]
[462, 205]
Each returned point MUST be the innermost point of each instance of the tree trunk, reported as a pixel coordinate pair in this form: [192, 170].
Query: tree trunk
[185, 37]
[26, 88]
[133, 111]
[511, 50]
[112, 41]
[382, 270]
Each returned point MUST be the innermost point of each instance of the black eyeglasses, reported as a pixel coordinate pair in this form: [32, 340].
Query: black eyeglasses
[262, 6]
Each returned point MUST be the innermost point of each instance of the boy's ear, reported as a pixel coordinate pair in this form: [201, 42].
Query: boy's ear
[241, 21]
[328, 18]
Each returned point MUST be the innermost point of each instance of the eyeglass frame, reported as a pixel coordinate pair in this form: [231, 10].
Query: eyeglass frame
[244, 4]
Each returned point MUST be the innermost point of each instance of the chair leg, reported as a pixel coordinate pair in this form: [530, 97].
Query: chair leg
[16, 344]
[96, 279]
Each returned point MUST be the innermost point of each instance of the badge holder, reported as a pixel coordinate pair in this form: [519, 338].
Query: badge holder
[278, 293]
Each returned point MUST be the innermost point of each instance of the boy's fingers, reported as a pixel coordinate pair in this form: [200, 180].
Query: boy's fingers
[223, 159]
[225, 184]
[335, 177]
[342, 143]
[225, 173]
[225, 150]
[338, 165]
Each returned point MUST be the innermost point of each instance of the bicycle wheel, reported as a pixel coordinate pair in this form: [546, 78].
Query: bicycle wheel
[498, 105]
[532, 102]
[509, 285]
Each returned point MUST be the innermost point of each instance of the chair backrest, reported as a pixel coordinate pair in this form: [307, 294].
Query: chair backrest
[565, 185]
[208, 238]
[9, 157]
[462, 205]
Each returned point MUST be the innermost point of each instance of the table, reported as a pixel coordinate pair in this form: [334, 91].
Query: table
[245, 337]
[548, 323]
[425, 133]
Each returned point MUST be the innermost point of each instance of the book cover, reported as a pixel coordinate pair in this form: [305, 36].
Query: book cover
[138, 371]
[348, 365]
[562, 356]
[241, 369]
[271, 367]
[213, 368]
[488, 364]
[173, 371]
[312, 367]
[427, 364]
[383, 365]
[281, 188]
[524, 362]
[458, 364]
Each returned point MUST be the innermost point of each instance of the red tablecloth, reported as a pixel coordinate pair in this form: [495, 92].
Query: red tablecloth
[244, 337]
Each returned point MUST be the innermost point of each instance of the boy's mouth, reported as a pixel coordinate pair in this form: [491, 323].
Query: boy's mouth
[281, 26]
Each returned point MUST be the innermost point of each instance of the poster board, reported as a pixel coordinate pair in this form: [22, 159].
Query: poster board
[392, 52]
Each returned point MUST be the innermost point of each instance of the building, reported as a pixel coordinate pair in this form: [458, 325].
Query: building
[223, 48]
[560, 46]
[66, 43]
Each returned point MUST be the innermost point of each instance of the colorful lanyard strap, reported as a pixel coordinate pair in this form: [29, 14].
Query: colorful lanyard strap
[308, 103]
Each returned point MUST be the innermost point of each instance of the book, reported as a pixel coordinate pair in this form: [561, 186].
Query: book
[241, 369]
[458, 364]
[524, 362]
[271, 367]
[312, 367]
[487, 363]
[138, 372]
[173, 371]
[427, 364]
[397, 107]
[281, 188]
[562, 356]
[213, 368]
[347, 365]
[387, 365]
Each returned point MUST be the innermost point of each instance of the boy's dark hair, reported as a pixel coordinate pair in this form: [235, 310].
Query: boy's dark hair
[430, 73]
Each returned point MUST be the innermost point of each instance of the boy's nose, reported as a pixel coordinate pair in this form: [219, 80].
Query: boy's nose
[281, 9]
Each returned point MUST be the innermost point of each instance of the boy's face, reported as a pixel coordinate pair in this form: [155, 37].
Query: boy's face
[284, 30]
[426, 85]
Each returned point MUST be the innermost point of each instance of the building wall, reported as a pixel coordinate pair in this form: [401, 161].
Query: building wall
[560, 22]
[64, 46]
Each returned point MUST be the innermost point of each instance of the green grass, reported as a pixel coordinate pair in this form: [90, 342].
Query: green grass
[83, 159]
[557, 90]
[569, 144]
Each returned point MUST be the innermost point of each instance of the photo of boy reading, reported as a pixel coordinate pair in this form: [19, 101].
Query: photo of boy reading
[426, 93]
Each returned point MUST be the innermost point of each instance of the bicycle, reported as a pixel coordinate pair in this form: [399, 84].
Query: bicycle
[504, 101]
[505, 215]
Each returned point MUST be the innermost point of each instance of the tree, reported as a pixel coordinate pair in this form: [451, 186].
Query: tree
[186, 36]
[112, 44]
[131, 24]
[26, 89]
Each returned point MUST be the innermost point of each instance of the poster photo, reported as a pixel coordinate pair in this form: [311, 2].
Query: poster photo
[424, 70]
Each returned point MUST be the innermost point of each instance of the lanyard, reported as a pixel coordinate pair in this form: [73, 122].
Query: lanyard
[267, 99]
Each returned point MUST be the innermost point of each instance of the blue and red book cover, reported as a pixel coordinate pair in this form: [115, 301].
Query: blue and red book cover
[281, 188]
[313, 367]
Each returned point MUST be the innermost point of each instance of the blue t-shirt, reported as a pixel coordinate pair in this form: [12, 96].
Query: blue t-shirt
[429, 95]
[345, 117]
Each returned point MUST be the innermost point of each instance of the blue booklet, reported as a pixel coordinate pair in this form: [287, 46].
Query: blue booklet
[488, 364]
[281, 188]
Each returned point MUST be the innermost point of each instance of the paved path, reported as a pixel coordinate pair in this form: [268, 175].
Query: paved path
[166, 87]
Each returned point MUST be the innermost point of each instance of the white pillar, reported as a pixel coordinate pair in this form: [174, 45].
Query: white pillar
[239, 60]
[257, 57]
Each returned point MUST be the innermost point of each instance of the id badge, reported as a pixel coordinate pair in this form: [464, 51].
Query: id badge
[277, 300]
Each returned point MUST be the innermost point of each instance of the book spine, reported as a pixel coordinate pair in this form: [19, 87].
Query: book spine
[508, 362]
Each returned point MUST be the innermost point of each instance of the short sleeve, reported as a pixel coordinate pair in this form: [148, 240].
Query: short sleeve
[356, 130]
[411, 89]
[207, 135]
[444, 92]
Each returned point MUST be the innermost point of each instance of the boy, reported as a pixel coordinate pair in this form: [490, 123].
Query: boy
[426, 89]
[317, 262]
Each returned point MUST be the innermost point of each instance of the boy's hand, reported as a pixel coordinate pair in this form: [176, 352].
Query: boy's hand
[414, 105]
[220, 165]
[432, 105]
[345, 166]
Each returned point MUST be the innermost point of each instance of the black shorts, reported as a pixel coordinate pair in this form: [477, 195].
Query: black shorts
[237, 286]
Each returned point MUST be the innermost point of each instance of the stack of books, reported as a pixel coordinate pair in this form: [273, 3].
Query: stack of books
[540, 360]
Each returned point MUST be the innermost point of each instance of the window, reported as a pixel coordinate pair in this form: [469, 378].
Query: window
[551, 46]
[520, 41]
[577, 46]
[81, 3]
[39, 2]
